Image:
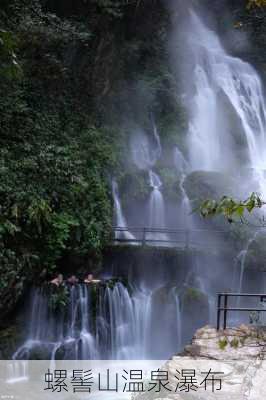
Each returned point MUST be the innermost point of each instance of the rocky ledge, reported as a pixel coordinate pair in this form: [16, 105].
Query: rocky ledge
[242, 343]
[238, 357]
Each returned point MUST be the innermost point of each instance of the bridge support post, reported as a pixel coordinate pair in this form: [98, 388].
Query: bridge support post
[225, 310]
[219, 311]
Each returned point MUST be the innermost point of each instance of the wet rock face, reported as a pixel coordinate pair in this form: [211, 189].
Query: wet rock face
[195, 311]
[256, 255]
[9, 339]
[201, 185]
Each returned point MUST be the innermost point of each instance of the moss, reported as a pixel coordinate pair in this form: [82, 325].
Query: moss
[193, 294]
[171, 184]
[134, 185]
[58, 297]
[234, 343]
[242, 340]
[222, 343]
[201, 185]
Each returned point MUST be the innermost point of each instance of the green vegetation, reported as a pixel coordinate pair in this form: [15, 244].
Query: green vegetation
[222, 344]
[58, 298]
[233, 210]
[55, 161]
[234, 343]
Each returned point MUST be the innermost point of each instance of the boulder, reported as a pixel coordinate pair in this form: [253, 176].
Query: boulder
[202, 185]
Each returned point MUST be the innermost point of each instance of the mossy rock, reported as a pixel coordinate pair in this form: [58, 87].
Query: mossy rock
[202, 185]
[134, 185]
[170, 184]
[39, 353]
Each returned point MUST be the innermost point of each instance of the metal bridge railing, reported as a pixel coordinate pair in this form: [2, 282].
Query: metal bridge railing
[223, 308]
[165, 236]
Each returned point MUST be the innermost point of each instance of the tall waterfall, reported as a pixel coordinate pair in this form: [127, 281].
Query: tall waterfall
[223, 83]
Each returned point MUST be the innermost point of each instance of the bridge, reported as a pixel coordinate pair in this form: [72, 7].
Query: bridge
[180, 238]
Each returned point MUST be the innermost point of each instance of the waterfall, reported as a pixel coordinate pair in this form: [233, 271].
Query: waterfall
[223, 82]
[178, 318]
[146, 151]
[105, 322]
[186, 209]
[241, 259]
[120, 219]
[182, 168]
[180, 162]
[67, 331]
[156, 209]
[156, 149]
[156, 202]
[156, 206]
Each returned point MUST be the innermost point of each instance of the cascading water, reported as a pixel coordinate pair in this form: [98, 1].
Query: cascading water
[241, 261]
[156, 209]
[120, 219]
[146, 151]
[156, 201]
[224, 82]
[68, 331]
[99, 322]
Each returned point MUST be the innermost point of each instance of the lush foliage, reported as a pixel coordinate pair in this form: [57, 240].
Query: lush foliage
[256, 3]
[55, 163]
[231, 209]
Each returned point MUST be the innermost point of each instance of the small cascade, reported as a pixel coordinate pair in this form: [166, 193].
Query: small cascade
[103, 322]
[241, 259]
[17, 371]
[186, 209]
[67, 332]
[156, 209]
[182, 168]
[156, 202]
[180, 162]
[146, 151]
[156, 148]
[178, 319]
[120, 219]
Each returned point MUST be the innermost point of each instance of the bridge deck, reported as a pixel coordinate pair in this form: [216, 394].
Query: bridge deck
[167, 237]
